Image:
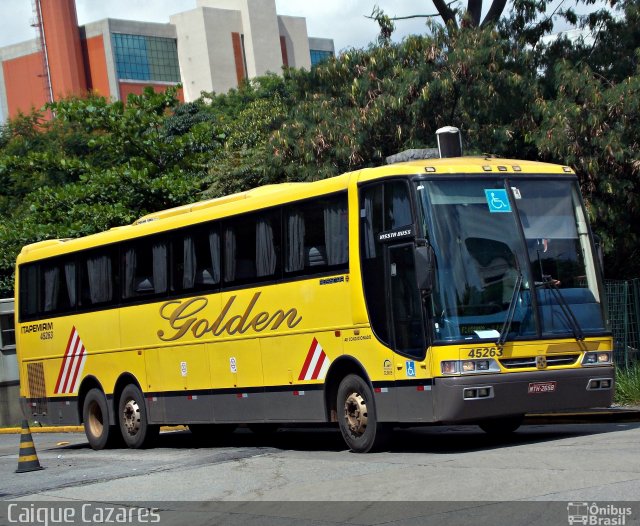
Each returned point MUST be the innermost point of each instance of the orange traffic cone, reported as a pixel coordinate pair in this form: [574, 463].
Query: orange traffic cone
[28, 460]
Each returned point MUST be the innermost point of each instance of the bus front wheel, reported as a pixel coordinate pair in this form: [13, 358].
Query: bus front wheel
[95, 417]
[357, 416]
[134, 426]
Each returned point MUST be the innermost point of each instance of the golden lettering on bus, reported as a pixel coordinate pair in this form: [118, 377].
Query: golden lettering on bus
[186, 317]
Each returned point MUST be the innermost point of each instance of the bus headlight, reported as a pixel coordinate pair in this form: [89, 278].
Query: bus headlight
[449, 367]
[597, 358]
[469, 366]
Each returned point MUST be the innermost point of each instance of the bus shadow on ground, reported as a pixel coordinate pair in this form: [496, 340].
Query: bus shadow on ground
[428, 439]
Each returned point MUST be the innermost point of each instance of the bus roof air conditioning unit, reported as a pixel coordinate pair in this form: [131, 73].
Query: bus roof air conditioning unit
[449, 142]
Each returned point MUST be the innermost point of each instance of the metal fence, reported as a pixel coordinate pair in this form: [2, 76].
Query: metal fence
[623, 308]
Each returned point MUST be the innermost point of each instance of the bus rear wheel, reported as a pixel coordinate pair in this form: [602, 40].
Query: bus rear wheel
[357, 416]
[134, 426]
[95, 417]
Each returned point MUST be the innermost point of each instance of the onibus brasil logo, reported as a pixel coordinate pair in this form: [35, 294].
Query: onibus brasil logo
[595, 514]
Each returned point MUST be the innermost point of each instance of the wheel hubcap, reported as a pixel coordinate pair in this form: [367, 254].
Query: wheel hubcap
[131, 417]
[96, 423]
[355, 413]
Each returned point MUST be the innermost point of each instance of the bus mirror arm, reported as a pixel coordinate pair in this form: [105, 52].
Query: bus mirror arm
[599, 251]
[425, 268]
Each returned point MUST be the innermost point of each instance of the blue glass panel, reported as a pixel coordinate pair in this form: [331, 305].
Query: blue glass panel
[141, 57]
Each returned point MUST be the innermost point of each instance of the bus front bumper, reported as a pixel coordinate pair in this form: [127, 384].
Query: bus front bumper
[477, 397]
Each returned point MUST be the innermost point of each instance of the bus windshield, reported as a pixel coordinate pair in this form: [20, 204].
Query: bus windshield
[511, 257]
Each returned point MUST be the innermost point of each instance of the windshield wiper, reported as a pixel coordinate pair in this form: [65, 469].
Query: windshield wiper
[550, 283]
[510, 311]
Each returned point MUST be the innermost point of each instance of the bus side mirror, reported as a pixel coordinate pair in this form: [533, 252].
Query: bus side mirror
[425, 268]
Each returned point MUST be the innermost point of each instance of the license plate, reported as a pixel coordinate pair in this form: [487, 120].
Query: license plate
[542, 387]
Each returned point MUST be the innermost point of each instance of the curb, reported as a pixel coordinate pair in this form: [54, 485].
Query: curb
[585, 417]
[44, 429]
[579, 417]
[66, 429]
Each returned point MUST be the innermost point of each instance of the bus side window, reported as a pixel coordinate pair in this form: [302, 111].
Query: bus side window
[196, 259]
[97, 277]
[316, 236]
[58, 289]
[29, 286]
[251, 248]
[145, 268]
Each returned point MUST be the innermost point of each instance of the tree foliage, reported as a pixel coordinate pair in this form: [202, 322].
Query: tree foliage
[97, 164]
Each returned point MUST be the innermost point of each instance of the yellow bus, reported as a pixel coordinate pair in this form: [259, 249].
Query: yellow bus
[450, 290]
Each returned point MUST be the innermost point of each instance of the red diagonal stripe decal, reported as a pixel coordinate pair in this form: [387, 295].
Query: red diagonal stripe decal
[76, 368]
[64, 360]
[307, 361]
[316, 371]
[73, 360]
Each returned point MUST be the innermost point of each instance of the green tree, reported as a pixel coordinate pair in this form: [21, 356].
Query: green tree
[368, 104]
[96, 165]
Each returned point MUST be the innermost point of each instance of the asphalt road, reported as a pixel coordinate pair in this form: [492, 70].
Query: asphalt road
[436, 468]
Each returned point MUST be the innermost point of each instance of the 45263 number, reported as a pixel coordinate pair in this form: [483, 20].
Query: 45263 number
[485, 352]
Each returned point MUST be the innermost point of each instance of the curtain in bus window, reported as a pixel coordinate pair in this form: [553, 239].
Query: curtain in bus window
[295, 242]
[336, 233]
[369, 238]
[51, 288]
[214, 248]
[99, 273]
[229, 255]
[130, 261]
[265, 249]
[159, 251]
[400, 212]
[70, 277]
[189, 263]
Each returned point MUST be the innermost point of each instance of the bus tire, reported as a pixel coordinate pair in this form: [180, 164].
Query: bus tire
[357, 416]
[95, 417]
[132, 416]
[501, 426]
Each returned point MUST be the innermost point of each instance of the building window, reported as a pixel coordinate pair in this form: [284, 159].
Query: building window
[7, 333]
[146, 58]
[318, 55]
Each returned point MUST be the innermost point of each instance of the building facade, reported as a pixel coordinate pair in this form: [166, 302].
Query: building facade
[213, 47]
[10, 413]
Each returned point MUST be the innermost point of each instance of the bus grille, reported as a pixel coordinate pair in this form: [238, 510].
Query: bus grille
[530, 362]
[37, 388]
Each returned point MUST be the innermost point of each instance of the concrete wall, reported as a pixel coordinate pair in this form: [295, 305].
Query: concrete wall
[294, 29]
[101, 64]
[63, 49]
[21, 84]
[95, 62]
[10, 412]
[261, 33]
[322, 44]
[205, 49]
[220, 43]
[92, 33]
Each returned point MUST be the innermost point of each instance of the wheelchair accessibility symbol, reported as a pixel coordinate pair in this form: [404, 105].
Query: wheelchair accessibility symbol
[410, 368]
[497, 200]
